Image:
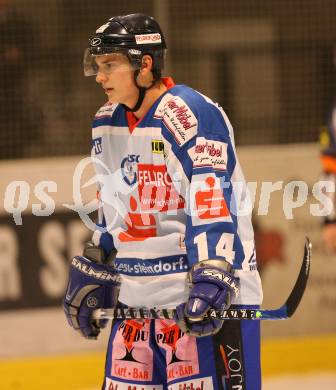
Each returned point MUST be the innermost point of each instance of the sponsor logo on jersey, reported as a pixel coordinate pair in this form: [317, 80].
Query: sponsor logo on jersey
[195, 384]
[208, 203]
[129, 168]
[158, 114]
[179, 120]
[140, 226]
[97, 145]
[210, 154]
[156, 190]
[145, 39]
[105, 111]
[211, 203]
[157, 146]
[170, 265]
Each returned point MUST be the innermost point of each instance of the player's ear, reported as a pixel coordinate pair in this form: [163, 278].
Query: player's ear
[146, 64]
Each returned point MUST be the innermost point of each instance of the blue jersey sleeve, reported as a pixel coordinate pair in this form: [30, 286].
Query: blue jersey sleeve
[101, 237]
[200, 155]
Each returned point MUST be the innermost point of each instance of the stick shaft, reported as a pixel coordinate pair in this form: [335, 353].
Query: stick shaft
[282, 313]
[230, 314]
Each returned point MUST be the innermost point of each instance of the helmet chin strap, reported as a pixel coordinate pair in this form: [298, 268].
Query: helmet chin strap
[142, 93]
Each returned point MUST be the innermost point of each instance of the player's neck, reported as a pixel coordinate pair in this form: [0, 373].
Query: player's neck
[151, 96]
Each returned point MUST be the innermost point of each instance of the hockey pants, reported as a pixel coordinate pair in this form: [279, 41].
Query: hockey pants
[157, 355]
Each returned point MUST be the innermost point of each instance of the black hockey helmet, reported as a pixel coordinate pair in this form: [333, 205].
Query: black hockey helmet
[133, 35]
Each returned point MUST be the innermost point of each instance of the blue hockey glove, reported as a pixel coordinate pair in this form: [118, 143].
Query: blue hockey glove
[91, 286]
[212, 287]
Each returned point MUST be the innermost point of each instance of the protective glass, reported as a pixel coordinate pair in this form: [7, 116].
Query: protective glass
[116, 63]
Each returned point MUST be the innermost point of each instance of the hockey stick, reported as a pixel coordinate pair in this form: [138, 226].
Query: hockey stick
[282, 313]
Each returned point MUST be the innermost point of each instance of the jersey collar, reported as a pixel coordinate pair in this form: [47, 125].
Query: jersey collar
[132, 120]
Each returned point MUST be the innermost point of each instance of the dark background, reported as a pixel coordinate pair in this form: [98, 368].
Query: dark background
[269, 63]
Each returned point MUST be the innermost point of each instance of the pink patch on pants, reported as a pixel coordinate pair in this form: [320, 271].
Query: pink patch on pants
[181, 350]
[132, 357]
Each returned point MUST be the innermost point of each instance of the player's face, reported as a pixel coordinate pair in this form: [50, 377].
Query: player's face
[115, 75]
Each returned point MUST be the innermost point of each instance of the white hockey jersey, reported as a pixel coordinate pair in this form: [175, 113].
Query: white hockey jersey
[172, 194]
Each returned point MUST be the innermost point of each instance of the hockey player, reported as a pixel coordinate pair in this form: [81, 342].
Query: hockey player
[176, 232]
[328, 161]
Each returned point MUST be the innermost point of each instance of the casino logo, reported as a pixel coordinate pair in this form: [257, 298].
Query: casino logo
[157, 146]
[129, 168]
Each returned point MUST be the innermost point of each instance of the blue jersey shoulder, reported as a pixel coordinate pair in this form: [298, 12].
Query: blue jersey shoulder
[209, 115]
[110, 115]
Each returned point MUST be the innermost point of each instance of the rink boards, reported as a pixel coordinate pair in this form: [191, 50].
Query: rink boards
[34, 262]
[286, 363]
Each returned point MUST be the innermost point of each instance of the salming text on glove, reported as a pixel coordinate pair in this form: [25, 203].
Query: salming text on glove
[213, 286]
[91, 286]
